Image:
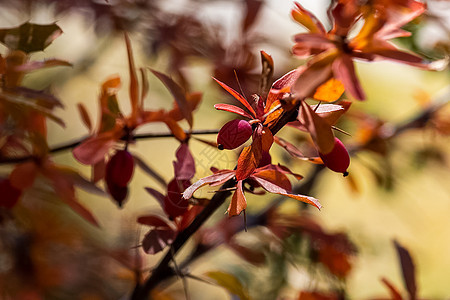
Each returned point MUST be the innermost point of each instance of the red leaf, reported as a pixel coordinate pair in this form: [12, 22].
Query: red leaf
[248, 160]
[344, 70]
[217, 178]
[273, 188]
[85, 116]
[157, 239]
[408, 270]
[174, 204]
[318, 128]
[238, 202]
[185, 164]
[237, 96]
[94, 149]
[318, 72]
[233, 109]
[332, 112]
[275, 177]
[266, 74]
[36, 65]
[176, 130]
[189, 216]
[395, 294]
[290, 148]
[179, 95]
[153, 220]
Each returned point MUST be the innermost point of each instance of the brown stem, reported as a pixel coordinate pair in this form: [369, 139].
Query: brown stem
[15, 160]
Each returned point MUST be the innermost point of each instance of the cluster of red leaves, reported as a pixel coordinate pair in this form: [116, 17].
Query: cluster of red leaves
[114, 126]
[332, 52]
[179, 213]
[23, 116]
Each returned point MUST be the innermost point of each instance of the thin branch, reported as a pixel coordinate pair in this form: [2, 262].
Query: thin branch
[71, 145]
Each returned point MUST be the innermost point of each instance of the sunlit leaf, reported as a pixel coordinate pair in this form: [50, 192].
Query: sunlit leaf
[94, 149]
[219, 177]
[273, 188]
[320, 130]
[329, 91]
[237, 96]
[344, 70]
[307, 19]
[233, 109]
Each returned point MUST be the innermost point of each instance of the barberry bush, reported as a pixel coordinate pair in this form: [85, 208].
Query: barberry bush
[169, 138]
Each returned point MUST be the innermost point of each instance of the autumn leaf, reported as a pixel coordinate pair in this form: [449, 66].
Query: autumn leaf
[29, 37]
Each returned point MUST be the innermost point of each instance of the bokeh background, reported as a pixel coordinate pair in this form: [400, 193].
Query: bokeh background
[403, 194]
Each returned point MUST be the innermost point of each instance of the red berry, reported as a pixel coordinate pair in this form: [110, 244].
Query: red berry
[9, 194]
[119, 193]
[120, 167]
[233, 134]
[338, 159]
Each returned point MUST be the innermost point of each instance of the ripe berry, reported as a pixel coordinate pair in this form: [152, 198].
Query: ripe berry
[233, 134]
[338, 159]
[120, 167]
[119, 193]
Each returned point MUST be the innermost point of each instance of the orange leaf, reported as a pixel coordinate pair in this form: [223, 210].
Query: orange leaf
[249, 159]
[275, 177]
[177, 131]
[237, 96]
[329, 91]
[238, 202]
[307, 19]
[319, 129]
[266, 139]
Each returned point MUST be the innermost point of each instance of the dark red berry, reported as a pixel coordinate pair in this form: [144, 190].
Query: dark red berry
[233, 134]
[9, 194]
[119, 193]
[338, 159]
[120, 167]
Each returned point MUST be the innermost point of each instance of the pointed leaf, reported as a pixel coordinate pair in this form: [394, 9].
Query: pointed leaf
[237, 96]
[36, 65]
[185, 164]
[273, 188]
[266, 74]
[395, 294]
[275, 177]
[153, 220]
[408, 270]
[290, 148]
[238, 202]
[344, 70]
[329, 91]
[319, 129]
[249, 160]
[134, 85]
[218, 177]
[178, 94]
[176, 130]
[85, 116]
[233, 109]
[307, 19]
